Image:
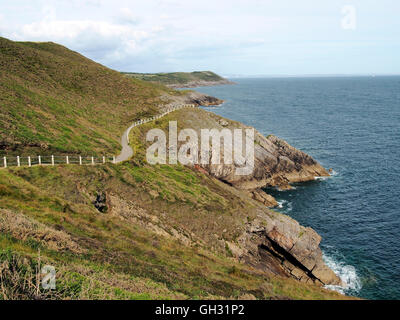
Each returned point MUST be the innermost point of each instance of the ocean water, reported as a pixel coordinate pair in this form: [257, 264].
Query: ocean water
[352, 125]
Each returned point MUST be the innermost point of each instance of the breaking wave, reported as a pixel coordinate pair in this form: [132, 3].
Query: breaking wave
[284, 205]
[347, 273]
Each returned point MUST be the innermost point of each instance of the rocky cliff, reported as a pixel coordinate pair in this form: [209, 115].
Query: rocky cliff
[134, 230]
[277, 164]
[191, 97]
[294, 247]
[266, 240]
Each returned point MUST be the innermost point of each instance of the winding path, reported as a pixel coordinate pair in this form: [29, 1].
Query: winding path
[127, 152]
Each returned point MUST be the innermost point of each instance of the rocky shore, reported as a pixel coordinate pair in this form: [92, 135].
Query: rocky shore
[272, 242]
[278, 164]
[192, 97]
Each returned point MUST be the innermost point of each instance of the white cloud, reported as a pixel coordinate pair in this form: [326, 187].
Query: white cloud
[104, 41]
[58, 29]
[224, 35]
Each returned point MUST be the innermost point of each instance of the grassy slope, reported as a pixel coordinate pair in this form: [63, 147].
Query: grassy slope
[176, 77]
[102, 255]
[50, 95]
[53, 98]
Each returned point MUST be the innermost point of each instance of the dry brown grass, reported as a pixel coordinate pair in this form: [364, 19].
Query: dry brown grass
[23, 228]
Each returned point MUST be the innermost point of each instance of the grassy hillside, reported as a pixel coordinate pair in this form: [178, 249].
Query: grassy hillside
[127, 231]
[138, 246]
[55, 100]
[176, 78]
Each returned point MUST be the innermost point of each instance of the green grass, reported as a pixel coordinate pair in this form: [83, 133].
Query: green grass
[165, 231]
[54, 100]
[122, 256]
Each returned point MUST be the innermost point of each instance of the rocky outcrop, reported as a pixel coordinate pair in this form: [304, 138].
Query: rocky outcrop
[263, 197]
[192, 97]
[271, 242]
[277, 164]
[276, 243]
[101, 202]
[202, 99]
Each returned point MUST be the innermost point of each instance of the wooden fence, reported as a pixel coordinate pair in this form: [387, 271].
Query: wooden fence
[53, 160]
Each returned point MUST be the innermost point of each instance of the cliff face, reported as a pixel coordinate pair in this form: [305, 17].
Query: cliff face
[273, 236]
[295, 248]
[191, 97]
[266, 240]
[277, 164]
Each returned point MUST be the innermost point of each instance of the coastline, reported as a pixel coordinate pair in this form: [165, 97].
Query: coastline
[269, 235]
[200, 83]
[310, 170]
[207, 207]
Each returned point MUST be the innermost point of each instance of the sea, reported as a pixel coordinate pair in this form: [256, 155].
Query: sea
[349, 124]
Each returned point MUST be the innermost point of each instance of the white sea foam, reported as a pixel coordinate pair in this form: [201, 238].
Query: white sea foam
[347, 273]
[332, 173]
[285, 205]
[281, 204]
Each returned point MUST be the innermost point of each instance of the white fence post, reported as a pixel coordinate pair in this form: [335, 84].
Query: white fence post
[29, 161]
[5, 162]
[114, 159]
[18, 161]
[39, 160]
[80, 160]
[92, 160]
[52, 160]
[104, 159]
[67, 159]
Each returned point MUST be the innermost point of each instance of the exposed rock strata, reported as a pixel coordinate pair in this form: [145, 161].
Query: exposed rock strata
[273, 242]
[294, 247]
[192, 97]
[263, 197]
[277, 164]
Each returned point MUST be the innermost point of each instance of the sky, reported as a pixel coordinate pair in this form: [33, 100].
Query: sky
[236, 37]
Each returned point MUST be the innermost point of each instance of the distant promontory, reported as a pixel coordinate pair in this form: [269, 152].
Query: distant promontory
[182, 79]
